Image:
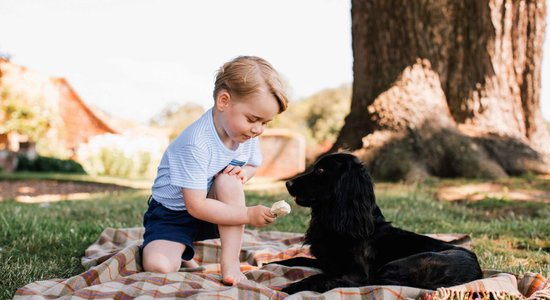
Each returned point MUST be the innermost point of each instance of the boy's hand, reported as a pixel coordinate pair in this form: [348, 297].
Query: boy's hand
[236, 170]
[259, 215]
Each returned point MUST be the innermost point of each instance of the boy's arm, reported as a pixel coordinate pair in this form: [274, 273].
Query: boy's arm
[249, 172]
[217, 212]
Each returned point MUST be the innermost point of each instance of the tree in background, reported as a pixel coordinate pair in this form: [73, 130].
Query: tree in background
[318, 118]
[447, 88]
[177, 118]
[23, 115]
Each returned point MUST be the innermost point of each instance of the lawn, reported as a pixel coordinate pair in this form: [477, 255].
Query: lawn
[45, 241]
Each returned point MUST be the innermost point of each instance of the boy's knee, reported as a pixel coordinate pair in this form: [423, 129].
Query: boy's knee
[228, 188]
[228, 182]
[159, 263]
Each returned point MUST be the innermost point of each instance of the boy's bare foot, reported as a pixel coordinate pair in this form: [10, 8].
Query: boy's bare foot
[232, 275]
[189, 264]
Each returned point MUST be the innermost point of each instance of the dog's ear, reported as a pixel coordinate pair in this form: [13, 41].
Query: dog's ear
[355, 202]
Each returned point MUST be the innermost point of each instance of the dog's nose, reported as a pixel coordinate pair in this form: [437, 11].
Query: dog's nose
[288, 184]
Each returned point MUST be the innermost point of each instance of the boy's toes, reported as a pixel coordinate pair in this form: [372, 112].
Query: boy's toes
[228, 280]
[233, 279]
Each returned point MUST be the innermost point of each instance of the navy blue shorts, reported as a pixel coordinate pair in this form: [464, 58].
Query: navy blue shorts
[179, 226]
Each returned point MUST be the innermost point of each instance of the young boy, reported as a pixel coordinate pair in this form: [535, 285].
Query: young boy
[198, 192]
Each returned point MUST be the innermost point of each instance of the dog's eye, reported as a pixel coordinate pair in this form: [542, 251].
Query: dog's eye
[319, 171]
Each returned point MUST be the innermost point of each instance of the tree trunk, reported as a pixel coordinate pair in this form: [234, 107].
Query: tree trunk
[447, 88]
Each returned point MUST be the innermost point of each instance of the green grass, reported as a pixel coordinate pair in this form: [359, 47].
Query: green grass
[46, 241]
[39, 242]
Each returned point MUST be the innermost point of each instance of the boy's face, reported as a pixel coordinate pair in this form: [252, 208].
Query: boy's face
[245, 117]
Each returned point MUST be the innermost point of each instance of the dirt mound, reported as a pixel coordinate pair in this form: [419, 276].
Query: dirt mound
[476, 192]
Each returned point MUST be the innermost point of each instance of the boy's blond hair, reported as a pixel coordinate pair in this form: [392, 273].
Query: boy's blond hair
[245, 75]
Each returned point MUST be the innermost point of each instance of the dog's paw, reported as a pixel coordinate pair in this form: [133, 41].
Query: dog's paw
[308, 284]
[292, 289]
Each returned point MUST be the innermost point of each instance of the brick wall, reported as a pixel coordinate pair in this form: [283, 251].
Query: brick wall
[284, 153]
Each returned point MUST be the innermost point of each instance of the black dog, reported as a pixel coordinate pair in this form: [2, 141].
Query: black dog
[355, 246]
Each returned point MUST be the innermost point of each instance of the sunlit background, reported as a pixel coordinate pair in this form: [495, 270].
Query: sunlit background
[133, 58]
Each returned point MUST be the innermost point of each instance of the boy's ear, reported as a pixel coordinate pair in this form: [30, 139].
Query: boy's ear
[223, 99]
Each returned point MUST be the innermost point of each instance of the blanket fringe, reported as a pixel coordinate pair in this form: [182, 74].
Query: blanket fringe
[448, 294]
[542, 294]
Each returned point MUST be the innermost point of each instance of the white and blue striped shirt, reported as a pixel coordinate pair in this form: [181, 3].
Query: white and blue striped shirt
[194, 157]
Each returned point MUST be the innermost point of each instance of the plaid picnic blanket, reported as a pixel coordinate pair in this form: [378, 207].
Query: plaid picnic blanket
[114, 272]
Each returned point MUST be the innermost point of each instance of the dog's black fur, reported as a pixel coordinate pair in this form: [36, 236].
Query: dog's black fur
[353, 243]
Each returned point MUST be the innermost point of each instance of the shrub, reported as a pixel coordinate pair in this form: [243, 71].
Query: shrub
[122, 156]
[48, 164]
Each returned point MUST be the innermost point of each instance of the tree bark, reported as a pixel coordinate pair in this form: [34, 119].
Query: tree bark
[447, 88]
